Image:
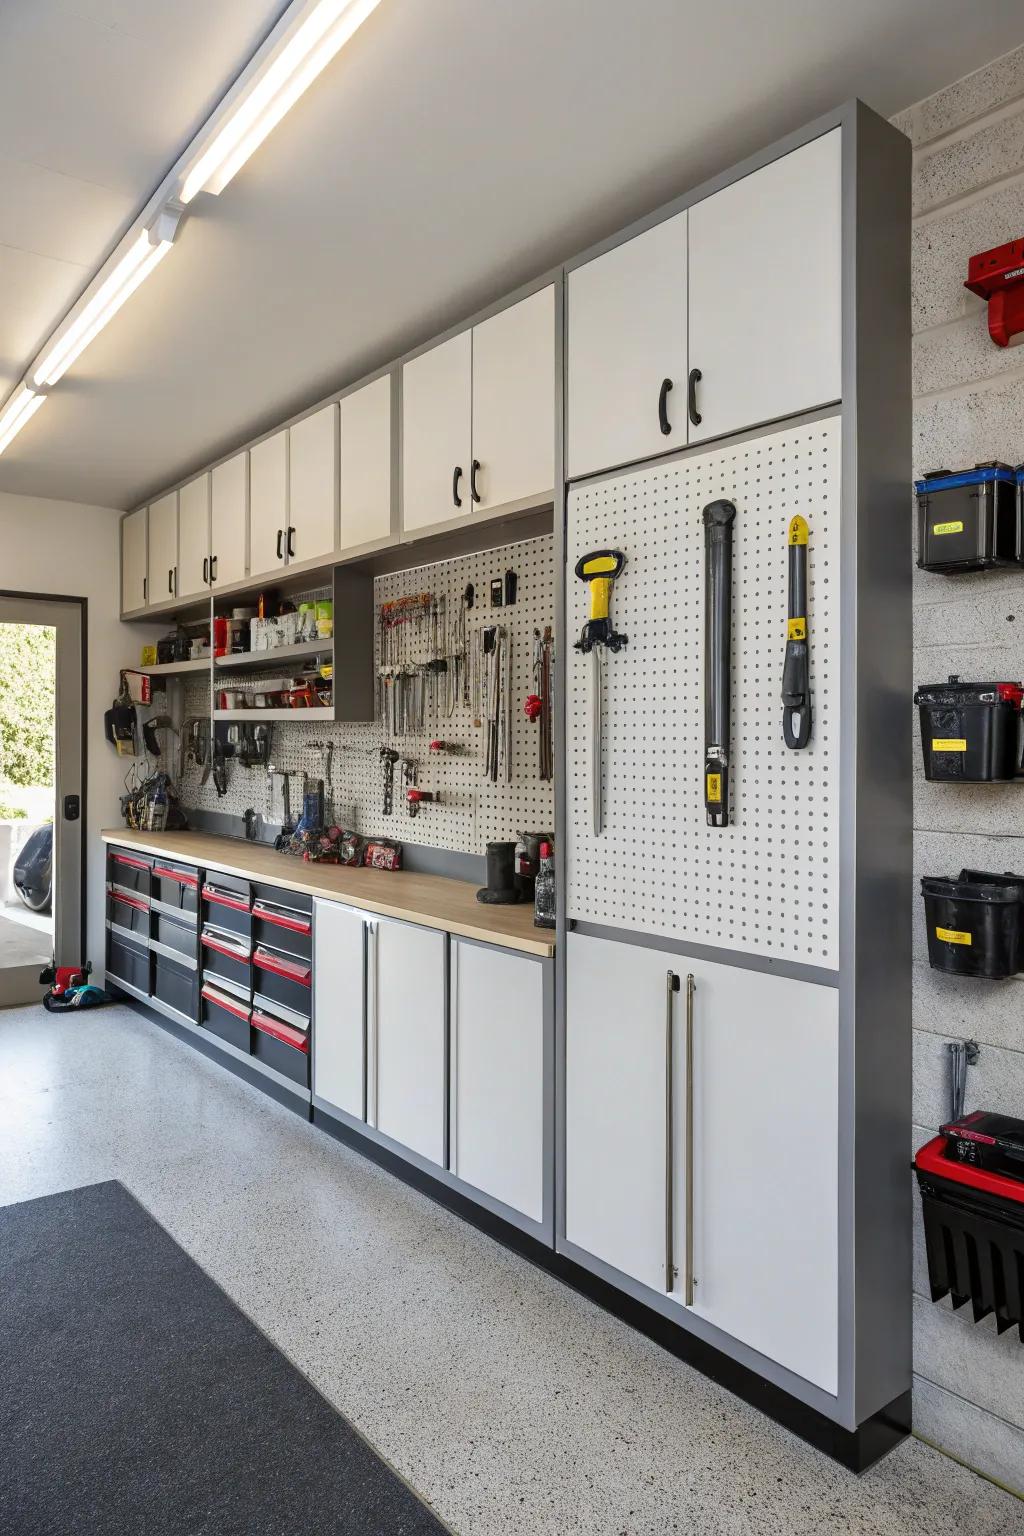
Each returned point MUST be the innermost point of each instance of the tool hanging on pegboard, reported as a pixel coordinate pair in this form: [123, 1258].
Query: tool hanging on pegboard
[388, 759]
[719, 517]
[537, 706]
[599, 570]
[493, 650]
[796, 669]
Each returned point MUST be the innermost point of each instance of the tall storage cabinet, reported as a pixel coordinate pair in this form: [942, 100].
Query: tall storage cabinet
[162, 581]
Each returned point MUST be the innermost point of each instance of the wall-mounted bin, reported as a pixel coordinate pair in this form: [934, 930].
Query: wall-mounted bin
[968, 520]
[975, 923]
[970, 732]
[974, 1235]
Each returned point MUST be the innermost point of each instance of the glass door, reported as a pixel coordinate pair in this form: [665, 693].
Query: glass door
[41, 783]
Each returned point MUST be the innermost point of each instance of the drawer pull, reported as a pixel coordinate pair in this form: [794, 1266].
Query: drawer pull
[300, 971]
[278, 1031]
[125, 858]
[226, 946]
[192, 881]
[221, 898]
[213, 996]
[282, 917]
[138, 902]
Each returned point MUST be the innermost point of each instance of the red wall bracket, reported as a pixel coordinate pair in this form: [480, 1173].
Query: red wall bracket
[998, 276]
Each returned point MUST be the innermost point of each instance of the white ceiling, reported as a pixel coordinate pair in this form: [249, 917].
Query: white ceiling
[453, 149]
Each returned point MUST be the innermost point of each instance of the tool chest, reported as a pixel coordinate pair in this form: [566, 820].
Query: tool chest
[969, 520]
[975, 923]
[970, 732]
[974, 1231]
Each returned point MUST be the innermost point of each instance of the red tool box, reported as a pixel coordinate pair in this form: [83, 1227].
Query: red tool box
[998, 276]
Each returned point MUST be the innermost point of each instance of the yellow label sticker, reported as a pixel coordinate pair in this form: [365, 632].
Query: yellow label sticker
[941, 528]
[949, 744]
[796, 629]
[714, 789]
[952, 936]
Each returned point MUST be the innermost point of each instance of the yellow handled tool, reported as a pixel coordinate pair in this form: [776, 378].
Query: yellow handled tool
[796, 677]
[599, 570]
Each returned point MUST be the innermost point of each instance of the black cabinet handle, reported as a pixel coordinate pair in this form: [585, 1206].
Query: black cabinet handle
[472, 481]
[213, 567]
[666, 425]
[170, 581]
[206, 571]
[456, 477]
[291, 543]
[691, 396]
[280, 538]
[145, 589]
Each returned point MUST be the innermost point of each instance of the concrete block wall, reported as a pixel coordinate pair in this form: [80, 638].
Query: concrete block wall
[968, 406]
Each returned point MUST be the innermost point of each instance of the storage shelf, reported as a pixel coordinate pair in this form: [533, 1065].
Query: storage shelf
[249, 660]
[173, 668]
[311, 712]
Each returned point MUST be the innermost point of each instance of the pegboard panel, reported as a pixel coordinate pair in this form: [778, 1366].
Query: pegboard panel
[767, 883]
[472, 811]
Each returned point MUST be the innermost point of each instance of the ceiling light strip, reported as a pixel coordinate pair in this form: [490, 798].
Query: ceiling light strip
[21, 407]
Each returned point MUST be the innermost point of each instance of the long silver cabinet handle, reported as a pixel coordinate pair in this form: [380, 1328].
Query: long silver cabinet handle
[372, 1021]
[671, 988]
[691, 987]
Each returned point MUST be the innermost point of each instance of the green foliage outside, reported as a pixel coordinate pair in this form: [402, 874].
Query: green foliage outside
[28, 655]
[12, 812]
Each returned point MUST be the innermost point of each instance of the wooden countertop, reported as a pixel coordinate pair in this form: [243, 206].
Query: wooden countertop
[432, 900]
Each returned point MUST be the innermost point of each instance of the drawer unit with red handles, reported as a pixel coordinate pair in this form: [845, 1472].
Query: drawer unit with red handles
[227, 903]
[225, 1014]
[284, 977]
[128, 913]
[175, 886]
[129, 870]
[283, 919]
[226, 958]
[280, 1045]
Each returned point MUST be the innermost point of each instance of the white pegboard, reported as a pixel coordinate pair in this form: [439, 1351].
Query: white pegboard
[472, 811]
[767, 883]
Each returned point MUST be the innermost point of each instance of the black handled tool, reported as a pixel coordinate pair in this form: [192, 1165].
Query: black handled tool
[796, 670]
[599, 570]
[719, 517]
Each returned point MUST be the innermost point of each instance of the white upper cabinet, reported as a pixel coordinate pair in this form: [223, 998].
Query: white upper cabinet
[268, 503]
[766, 292]
[229, 521]
[163, 549]
[437, 406]
[366, 465]
[133, 561]
[194, 537]
[313, 486]
[514, 404]
[626, 352]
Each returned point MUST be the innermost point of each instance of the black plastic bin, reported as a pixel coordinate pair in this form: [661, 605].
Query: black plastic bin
[281, 1046]
[968, 520]
[975, 923]
[974, 1236]
[970, 732]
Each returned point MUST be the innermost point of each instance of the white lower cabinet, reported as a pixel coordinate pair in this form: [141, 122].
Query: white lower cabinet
[497, 1074]
[408, 1028]
[763, 1138]
[339, 1042]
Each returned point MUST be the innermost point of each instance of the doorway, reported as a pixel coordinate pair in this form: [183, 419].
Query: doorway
[41, 790]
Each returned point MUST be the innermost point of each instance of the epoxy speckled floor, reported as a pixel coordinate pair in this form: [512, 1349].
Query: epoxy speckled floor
[514, 1406]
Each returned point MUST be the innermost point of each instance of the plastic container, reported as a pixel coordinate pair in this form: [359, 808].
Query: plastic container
[968, 520]
[970, 732]
[544, 890]
[975, 923]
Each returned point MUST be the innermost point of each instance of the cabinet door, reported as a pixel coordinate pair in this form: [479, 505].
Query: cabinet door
[514, 402]
[268, 503]
[366, 465]
[437, 410]
[313, 485]
[626, 337]
[339, 1037]
[765, 1148]
[765, 291]
[194, 537]
[133, 561]
[408, 969]
[163, 548]
[229, 521]
[497, 1074]
[616, 1076]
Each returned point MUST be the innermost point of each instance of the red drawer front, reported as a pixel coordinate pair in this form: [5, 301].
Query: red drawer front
[296, 924]
[225, 899]
[300, 971]
[176, 874]
[227, 1003]
[283, 1032]
[224, 948]
[138, 902]
[124, 858]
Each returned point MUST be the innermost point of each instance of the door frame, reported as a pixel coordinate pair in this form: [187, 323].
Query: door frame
[82, 604]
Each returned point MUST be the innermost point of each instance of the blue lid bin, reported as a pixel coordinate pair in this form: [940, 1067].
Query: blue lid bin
[969, 520]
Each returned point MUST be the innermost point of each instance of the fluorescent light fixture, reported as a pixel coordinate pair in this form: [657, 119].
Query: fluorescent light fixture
[21, 407]
[327, 28]
[146, 252]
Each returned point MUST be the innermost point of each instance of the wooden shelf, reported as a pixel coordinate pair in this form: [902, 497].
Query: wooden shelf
[318, 712]
[173, 668]
[281, 654]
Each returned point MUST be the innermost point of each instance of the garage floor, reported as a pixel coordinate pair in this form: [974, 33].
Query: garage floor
[24, 943]
[510, 1403]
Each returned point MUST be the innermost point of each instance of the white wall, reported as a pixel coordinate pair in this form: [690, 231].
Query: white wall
[71, 550]
[968, 407]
